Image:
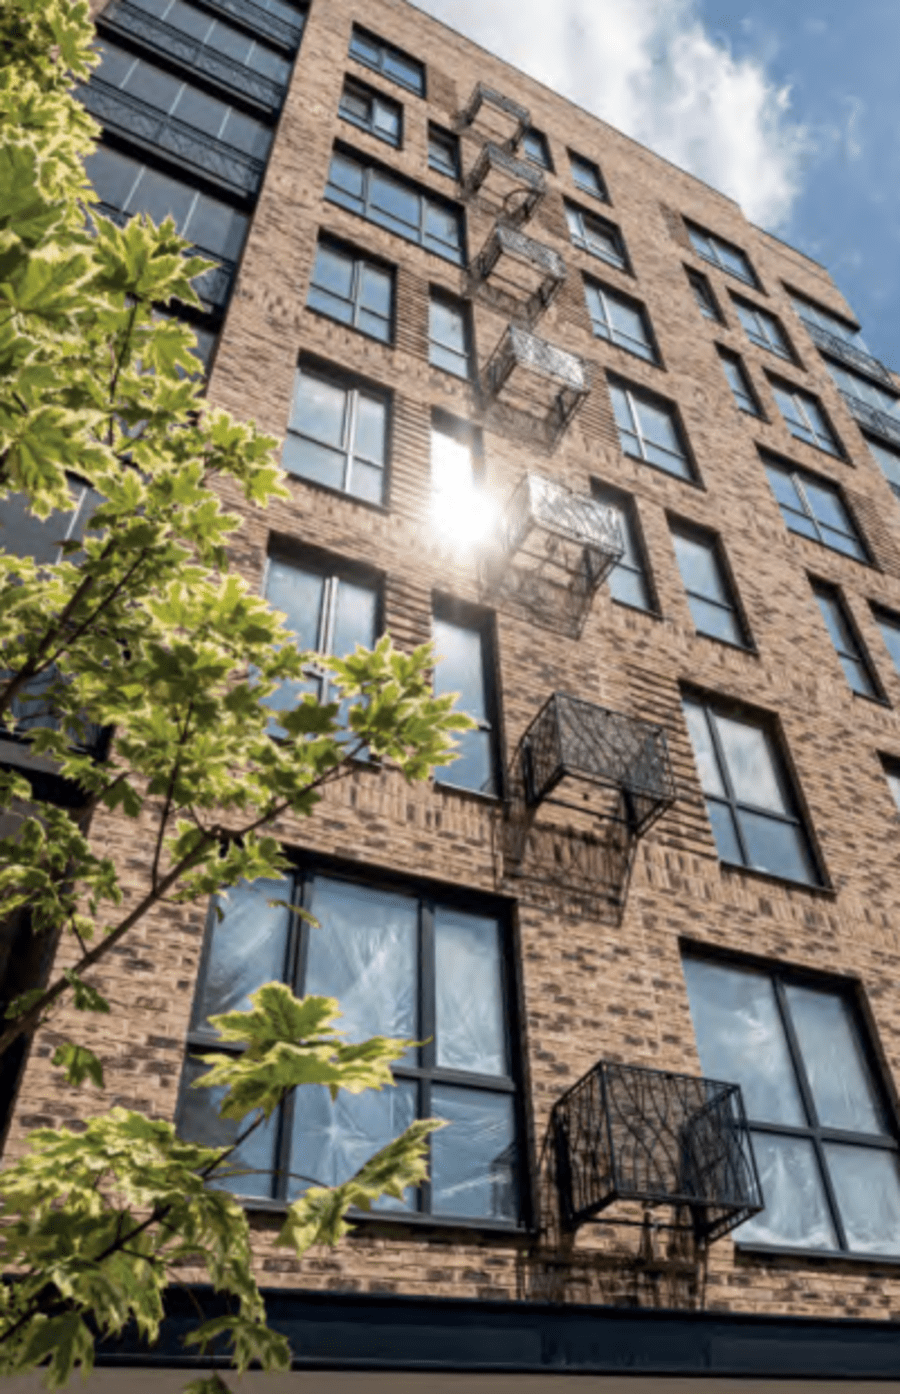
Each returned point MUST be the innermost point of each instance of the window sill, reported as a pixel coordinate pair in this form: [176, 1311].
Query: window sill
[736, 869]
[337, 493]
[688, 479]
[874, 698]
[491, 800]
[816, 1256]
[435, 1226]
[750, 649]
[369, 131]
[648, 610]
[354, 329]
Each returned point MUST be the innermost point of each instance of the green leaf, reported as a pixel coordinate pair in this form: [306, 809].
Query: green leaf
[66, 1340]
[86, 998]
[79, 1064]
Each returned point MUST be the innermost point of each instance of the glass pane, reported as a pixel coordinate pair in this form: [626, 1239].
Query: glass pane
[740, 1038]
[367, 482]
[115, 64]
[329, 304]
[658, 426]
[404, 70]
[375, 290]
[371, 422]
[364, 953]
[704, 750]
[459, 666]
[750, 762]
[199, 1121]
[347, 175]
[216, 227]
[299, 594]
[355, 104]
[366, 50]
[473, 767]
[354, 618]
[835, 1063]
[23, 535]
[715, 621]
[889, 461]
[161, 197]
[628, 586]
[867, 1182]
[796, 1212]
[112, 175]
[777, 847]
[201, 110]
[452, 472]
[332, 1140]
[312, 461]
[890, 633]
[387, 120]
[783, 487]
[447, 325]
[398, 203]
[333, 271]
[699, 568]
[473, 1170]
[827, 506]
[248, 947]
[442, 226]
[471, 1032]
[150, 84]
[721, 817]
[626, 320]
[319, 409]
[622, 409]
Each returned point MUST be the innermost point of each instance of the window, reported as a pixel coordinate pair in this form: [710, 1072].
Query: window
[888, 460]
[366, 108]
[706, 300]
[330, 611]
[348, 287]
[383, 58]
[763, 329]
[825, 319]
[889, 624]
[814, 508]
[457, 508]
[621, 322]
[861, 389]
[396, 204]
[536, 149]
[464, 664]
[419, 967]
[649, 430]
[722, 254]
[586, 176]
[822, 1134]
[150, 84]
[710, 591]
[337, 435]
[750, 803]
[596, 235]
[449, 337]
[24, 535]
[739, 382]
[629, 580]
[443, 152]
[892, 775]
[805, 418]
[854, 659]
[222, 37]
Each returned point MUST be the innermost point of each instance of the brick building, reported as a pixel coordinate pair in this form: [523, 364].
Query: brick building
[557, 404]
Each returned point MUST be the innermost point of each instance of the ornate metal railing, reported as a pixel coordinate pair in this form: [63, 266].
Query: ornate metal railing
[482, 96]
[261, 21]
[174, 43]
[547, 268]
[520, 348]
[847, 352]
[880, 423]
[214, 286]
[129, 116]
[624, 1133]
[520, 186]
[571, 739]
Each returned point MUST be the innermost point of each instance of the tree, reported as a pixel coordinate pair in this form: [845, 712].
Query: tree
[141, 629]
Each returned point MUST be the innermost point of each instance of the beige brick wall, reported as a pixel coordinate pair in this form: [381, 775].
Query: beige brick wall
[591, 987]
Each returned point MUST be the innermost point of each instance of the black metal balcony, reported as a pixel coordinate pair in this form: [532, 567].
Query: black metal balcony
[260, 22]
[175, 44]
[512, 188]
[651, 1138]
[499, 118]
[848, 353]
[132, 118]
[517, 274]
[214, 286]
[525, 372]
[880, 423]
[550, 552]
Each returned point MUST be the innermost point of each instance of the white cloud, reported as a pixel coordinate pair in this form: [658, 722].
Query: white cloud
[650, 68]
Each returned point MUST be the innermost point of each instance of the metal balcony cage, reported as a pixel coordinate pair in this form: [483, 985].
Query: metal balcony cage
[517, 274]
[525, 371]
[550, 552]
[650, 1138]
[510, 188]
[495, 117]
[848, 353]
[880, 423]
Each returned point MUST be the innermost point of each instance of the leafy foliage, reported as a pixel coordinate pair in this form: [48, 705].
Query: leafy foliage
[140, 629]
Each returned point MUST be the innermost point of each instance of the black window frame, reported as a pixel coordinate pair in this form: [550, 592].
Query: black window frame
[747, 392]
[885, 617]
[611, 496]
[350, 383]
[620, 260]
[355, 86]
[713, 255]
[542, 161]
[799, 478]
[712, 541]
[464, 309]
[615, 336]
[829, 443]
[380, 66]
[598, 191]
[448, 141]
[462, 615]
[766, 330]
[819, 1135]
[880, 449]
[362, 206]
[635, 393]
[854, 650]
[304, 868]
[890, 768]
[704, 296]
[361, 261]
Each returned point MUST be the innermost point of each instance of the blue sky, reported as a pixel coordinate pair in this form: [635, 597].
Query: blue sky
[790, 106]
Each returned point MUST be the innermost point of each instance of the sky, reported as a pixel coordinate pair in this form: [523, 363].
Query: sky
[790, 106]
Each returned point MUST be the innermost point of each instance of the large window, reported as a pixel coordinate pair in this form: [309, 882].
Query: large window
[763, 329]
[596, 235]
[384, 58]
[848, 646]
[704, 296]
[464, 664]
[749, 799]
[24, 535]
[629, 580]
[219, 35]
[347, 286]
[708, 585]
[586, 176]
[722, 254]
[891, 769]
[889, 462]
[805, 418]
[364, 107]
[400, 964]
[823, 1136]
[443, 151]
[889, 624]
[814, 508]
[621, 322]
[536, 149]
[811, 313]
[649, 430]
[738, 380]
[396, 204]
[449, 334]
[338, 434]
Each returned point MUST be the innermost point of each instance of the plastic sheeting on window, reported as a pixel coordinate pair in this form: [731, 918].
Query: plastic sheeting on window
[470, 1031]
[249, 946]
[199, 1121]
[867, 1184]
[796, 1213]
[332, 1139]
[474, 1159]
